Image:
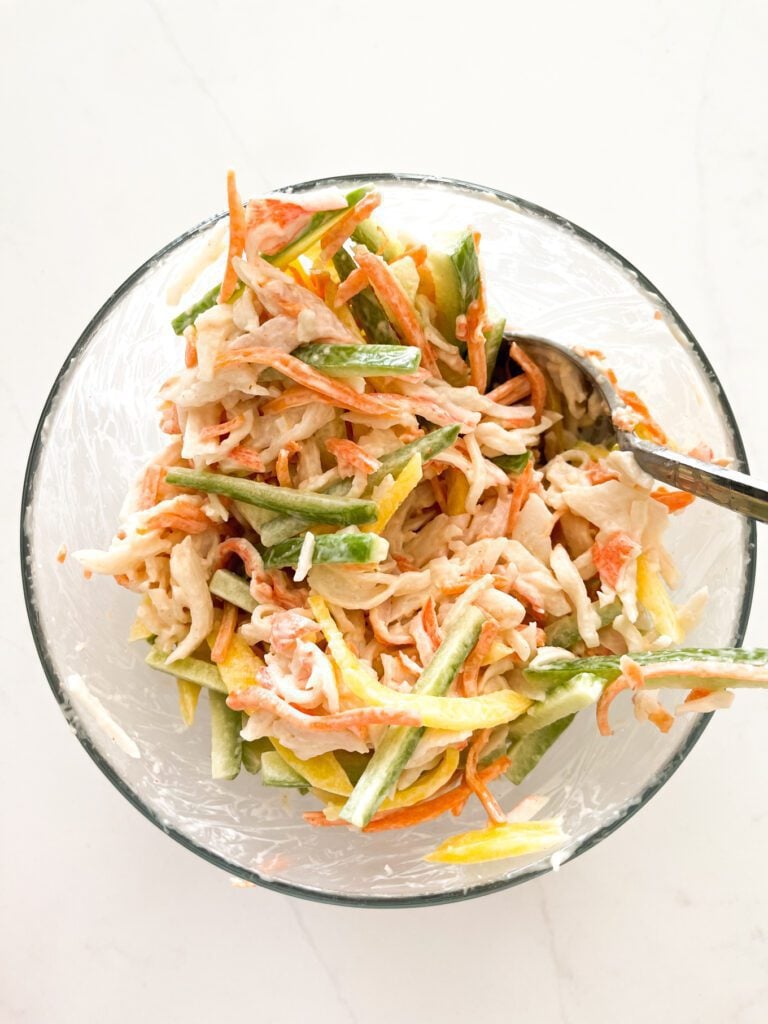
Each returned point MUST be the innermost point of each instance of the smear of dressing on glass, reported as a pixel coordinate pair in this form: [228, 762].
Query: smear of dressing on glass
[75, 687]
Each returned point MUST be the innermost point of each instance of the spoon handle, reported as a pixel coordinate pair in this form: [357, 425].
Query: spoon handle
[725, 487]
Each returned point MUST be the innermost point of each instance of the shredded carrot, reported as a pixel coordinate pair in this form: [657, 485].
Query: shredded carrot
[511, 391]
[190, 352]
[61, 554]
[535, 378]
[339, 394]
[522, 488]
[246, 457]
[87, 574]
[599, 474]
[260, 698]
[170, 521]
[650, 428]
[492, 807]
[631, 678]
[427, 810]
[220, 429]
[224, 634]
[390, 293]
[612, 556]
[429, 622]
[352, 454]
[471, 670]
[478, 366]
[292, 398]
[282, 469]
[418, 814]
[675, 501]
[336, 236]
[236, 237]
[426, 282]
[149, 486]
[351, 287]
[662, 719]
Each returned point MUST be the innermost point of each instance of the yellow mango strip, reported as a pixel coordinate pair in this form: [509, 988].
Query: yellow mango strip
[138, 630]
[653, 595]
[458, 489]
[458, 714]
[239, 668]
[498, 841]
[496, 652]
[188, 697]
[389, 502]
[321, 772]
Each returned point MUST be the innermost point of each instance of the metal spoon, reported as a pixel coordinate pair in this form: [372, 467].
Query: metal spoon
[602, 407]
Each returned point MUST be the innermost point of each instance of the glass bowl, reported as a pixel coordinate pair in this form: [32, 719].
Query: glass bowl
[99, 424]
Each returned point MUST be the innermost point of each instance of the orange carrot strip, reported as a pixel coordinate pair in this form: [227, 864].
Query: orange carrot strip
[630, 398]
[149, 485]
[478, 366]
[169, 521]
[224, 635]
[220, 429]
[675, 501]
[353, 454]
[351, 287]
[190, 353]
[301, 373]
[244, 551]
[336, 236]
[535, 378]
[631, 678]
[61, 554]
[522, 488]
[511, 391]
[418, 253]
[472, 665]
[291, 398]
[390, 292]
[236, 237]
[429, 622]
[492, 807]
[246, 457]
[256, 698]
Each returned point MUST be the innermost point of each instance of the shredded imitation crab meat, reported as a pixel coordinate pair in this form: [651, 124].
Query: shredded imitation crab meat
[478, 527]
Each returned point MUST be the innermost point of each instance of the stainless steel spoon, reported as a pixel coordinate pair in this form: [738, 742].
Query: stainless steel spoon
[603, 407]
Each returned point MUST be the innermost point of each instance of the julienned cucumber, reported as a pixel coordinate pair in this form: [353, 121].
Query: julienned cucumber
[564, 632]
[399, 742]
[436, 441]
[321, 508]
[360, 360]
[525, 752]
[727, 665]
[371, 234]
[232, 588]
[252, 752]
[513, 464]
[277, 772]
[195, 670]
[226, 745]
[184, 320]
[339, 548]
[366, 309]
[577, 693]
[320, 223]
[494, 335]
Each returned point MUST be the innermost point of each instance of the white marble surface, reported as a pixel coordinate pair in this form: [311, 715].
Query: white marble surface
[643, 122]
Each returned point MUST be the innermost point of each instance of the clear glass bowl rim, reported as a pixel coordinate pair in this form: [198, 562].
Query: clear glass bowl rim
[311, 893]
